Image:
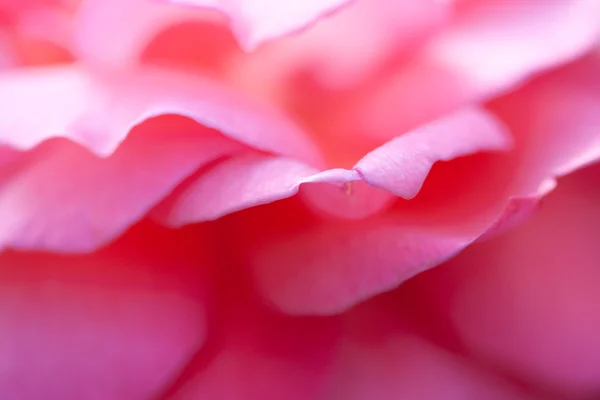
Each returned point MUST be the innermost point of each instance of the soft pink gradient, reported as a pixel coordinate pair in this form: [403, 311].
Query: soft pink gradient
[270, 200]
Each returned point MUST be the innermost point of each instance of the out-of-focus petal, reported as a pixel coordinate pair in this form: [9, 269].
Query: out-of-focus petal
[7, 56]
[491, 47]
[256, 21]
[134, 24]
[112, 325]
[353, 44]
[260, 354]
[380, 357]
[555, 123]
[526, 301]
[98, 109]
[60, 197]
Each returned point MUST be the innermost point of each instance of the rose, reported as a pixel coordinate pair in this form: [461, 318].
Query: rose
[200, 272]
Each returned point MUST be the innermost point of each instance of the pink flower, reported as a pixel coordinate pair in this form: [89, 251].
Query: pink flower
[227, 199]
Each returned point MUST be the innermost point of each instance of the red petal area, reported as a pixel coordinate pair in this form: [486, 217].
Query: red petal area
[259, 354]
[118, 324]
[256, 21]
[381, 357]
[527, 301]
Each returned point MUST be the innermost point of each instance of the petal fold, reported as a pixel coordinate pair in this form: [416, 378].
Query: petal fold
[256, 21]
[397, 168]
[98, 109]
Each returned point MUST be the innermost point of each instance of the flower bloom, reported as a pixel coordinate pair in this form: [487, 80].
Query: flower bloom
[228, 199]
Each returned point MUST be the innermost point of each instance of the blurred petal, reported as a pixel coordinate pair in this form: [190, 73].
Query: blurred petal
[331, 267]
[381, 358]
[111, 325]
[351, 45]
[99, 109]
[60, 197]
[491, 47]
[133, 23]
[256, 21]
[7, 56]
[555, 123]
[526, 301]
[263, 355]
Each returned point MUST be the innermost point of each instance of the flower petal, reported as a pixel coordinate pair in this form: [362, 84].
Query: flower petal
[133, 24]
[256, 21]
[526, 301]
[491, 47]
[380, 356]
[99, 109]
[110, 325]
[555, 122]
[402, 164]
[63, 198]
[399, 167]
[268, 355]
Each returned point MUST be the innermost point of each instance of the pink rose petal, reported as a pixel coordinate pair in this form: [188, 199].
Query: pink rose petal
[402, 164]
[556, 123]
[330, 268]
[399, 167]
[491, 47]
[380, 358]
[256, 21]
[98, 109]
[103, 326]
[232, 185]
[63, 198]
[133, 23]
[353, 44]
[263, 355]
[527, 301]
[7, 56]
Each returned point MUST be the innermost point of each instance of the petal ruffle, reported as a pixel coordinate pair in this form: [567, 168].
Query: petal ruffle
[61, 197]
[327, 266]
[256, 21]
[399, 167]
[98, 109]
